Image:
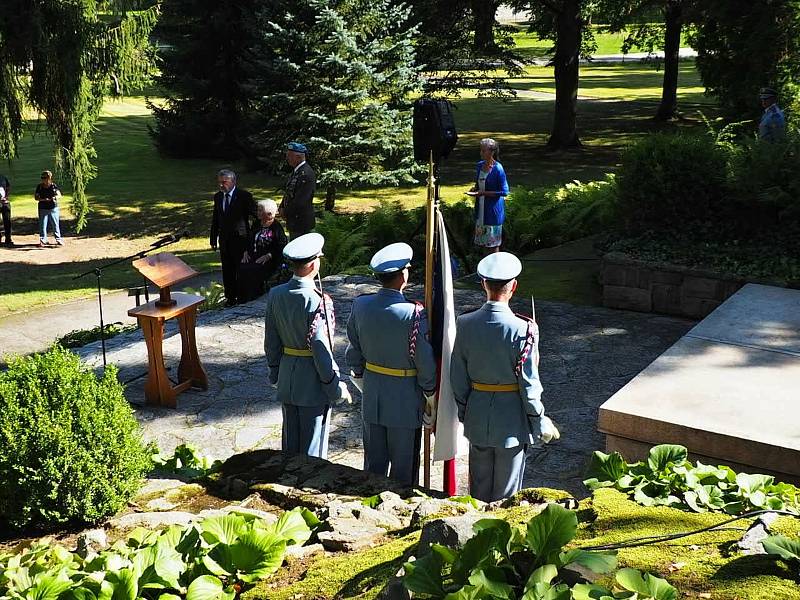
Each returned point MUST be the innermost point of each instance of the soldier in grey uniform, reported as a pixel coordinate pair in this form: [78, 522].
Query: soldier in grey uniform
[495, 380]
[298, 344]
[393, 366]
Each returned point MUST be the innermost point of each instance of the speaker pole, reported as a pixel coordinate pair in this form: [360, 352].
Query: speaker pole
[429, 258]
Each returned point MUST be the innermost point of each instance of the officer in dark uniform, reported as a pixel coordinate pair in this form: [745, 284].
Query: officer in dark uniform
[393, 366]
[297, 341]
[297, 206]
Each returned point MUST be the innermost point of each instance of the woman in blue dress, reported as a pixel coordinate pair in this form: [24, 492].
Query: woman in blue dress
[490, 191]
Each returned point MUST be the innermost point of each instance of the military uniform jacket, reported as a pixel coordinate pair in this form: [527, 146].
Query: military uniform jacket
[297, 207]
[387, 330]
[494, 346]
[294, 319]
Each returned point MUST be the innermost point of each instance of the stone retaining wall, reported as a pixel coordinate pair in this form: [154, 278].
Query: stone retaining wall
[632, 284]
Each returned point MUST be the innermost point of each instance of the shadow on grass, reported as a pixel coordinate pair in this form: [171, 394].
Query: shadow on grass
[522, 127]
[18, 276]
[374, 576]
[754, 566]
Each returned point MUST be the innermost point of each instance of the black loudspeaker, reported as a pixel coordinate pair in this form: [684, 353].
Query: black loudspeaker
[434, 129]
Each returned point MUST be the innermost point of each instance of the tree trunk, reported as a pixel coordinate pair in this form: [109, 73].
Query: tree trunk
[565, 61]
[483, 13]
[330, 197]
[672, 43]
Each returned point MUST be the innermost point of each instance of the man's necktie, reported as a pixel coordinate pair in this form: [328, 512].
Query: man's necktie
[227, 201]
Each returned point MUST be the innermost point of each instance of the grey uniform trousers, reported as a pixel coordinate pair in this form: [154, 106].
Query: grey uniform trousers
[496, 473]
[392, 451]
[305, 429]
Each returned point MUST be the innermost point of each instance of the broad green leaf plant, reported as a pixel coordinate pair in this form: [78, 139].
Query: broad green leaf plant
[187, 462]
[214, 559]
[501, 562]
[785, 549]
[668, 478]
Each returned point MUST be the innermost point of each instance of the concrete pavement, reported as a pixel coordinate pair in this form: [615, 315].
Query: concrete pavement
[37, 329]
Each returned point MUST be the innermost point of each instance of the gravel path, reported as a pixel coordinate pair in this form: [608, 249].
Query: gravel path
[587, 354]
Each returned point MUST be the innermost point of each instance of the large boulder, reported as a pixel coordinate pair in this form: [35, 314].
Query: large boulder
[447, 531]
[348, 534]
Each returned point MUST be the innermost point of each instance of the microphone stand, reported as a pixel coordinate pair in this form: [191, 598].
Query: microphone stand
[98, 273]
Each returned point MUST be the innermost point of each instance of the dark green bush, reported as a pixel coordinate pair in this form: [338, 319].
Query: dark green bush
[70, 446]
[669, 181]
[765, 182]
[390, 223]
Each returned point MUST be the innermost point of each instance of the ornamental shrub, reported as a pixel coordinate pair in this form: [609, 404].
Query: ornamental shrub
[669, 181]
[70, 447]
[765, 183]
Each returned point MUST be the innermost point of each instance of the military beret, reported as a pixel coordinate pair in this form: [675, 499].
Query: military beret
[304, 248]
[297, 147]
[391, 258]
[500, 266]
[767, 92]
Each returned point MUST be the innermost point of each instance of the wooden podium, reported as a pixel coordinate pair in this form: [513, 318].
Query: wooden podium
[166, 270]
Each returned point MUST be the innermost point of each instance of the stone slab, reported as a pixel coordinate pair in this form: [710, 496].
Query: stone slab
[759, 316]
[729, 390]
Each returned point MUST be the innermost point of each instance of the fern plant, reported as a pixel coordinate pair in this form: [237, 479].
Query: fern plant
[345, 244]
[214, 295]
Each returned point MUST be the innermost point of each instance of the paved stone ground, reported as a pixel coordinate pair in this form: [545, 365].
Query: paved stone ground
[587, 354]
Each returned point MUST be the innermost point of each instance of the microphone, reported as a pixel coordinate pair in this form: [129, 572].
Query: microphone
[169, 239]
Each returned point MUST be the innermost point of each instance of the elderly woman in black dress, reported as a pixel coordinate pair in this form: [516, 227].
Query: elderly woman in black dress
[264, 252]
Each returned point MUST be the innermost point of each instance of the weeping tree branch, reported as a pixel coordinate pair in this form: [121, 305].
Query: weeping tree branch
[59, 58]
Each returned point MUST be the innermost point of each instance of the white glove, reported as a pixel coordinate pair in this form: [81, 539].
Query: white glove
[344, 395]
[429, 415]
[358, 382]
[548, 430]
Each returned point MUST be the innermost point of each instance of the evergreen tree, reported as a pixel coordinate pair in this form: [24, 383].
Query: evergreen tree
[209, 59]
[341, 78]
[61, 58]
[743, 45]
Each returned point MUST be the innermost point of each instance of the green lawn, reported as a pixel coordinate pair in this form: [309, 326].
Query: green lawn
[530, 46]
[139, 195]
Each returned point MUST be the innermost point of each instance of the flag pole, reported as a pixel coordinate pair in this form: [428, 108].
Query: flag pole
[429, 239]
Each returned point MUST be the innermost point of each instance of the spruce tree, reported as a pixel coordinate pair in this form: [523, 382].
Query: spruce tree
[341, 78]
[209, 57]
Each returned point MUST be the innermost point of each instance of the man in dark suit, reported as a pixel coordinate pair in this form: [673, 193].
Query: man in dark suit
[230, 225]
[297, 206]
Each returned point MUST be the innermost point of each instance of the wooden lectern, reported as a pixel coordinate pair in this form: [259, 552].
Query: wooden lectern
[166, 270]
